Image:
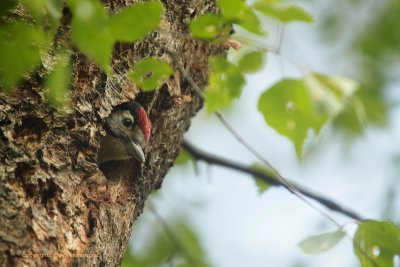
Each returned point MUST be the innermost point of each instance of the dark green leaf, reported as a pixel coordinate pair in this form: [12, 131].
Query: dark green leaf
[283, 11]
[376, 243]
[238, 12]
[322, 242]
[207, 26]
[135, 22]
[150, 73]
[6, 5]
[260, 183]
[58, 82]
[288, 108]
[90, 31]
[20, 50]
[252, 62]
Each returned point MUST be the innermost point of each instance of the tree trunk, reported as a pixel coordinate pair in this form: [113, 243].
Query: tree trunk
[57, 207]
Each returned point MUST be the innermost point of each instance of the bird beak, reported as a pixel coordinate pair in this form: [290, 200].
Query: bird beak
[136, 151]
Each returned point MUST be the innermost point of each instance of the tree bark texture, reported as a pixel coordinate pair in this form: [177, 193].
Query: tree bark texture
[57, 208]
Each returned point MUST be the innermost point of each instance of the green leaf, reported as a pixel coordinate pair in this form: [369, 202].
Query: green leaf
[252, 62]
[238, 12]
[20, 50]
[322, 242]
[58, 82]
[183, 157]
[90, 31]
[288, 108]
[330, 93]
[376, 243]
[224, 84]
[283, 11]
[41, 9]
[135, 22]
[6, 5]
[207, 26]
[150, 73]
[260, 183]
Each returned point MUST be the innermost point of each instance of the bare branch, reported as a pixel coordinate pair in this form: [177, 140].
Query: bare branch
[272, 180]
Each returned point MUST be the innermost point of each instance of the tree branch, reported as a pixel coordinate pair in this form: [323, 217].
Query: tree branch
[216, 160]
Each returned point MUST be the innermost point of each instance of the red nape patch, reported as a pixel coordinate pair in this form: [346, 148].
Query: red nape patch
[144, 123]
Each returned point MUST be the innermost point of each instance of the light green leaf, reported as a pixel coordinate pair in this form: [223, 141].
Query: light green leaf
[283, 11]
[207, 26]
[376, 243]
[224, 84]
[150, 73]
[135, 22]
[90, 31]
[322, 242]
[252, 62]
[58, 82]
[260, 183]
[20, 50]
[238, 12]
[330, 93]
[288, 108]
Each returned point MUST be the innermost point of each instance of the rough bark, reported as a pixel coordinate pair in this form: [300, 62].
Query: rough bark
[56, 204]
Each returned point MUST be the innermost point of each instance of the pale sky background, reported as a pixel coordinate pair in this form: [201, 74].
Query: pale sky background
[237, 226]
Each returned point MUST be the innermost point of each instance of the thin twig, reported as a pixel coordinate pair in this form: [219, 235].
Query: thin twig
[278, 176]
[278, 179]
[272, 180]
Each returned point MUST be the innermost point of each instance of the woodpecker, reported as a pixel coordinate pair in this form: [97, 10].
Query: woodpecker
[127, 132]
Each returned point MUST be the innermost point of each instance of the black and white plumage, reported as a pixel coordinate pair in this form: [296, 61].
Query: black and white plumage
[128, 131]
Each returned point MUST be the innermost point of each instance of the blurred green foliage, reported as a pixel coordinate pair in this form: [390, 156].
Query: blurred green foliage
[58, 82]
[173, 244]
[283, 11]
[208, 27]
[95, 32]
[376, 46]
[225, 82]
[240, 13]
[21, 46]
[183, 158]
[25, 41]
[150, 73]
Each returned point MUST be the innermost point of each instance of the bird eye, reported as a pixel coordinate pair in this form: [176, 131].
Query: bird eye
[127, 122]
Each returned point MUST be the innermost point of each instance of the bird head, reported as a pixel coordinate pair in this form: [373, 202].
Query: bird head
[128, 126]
